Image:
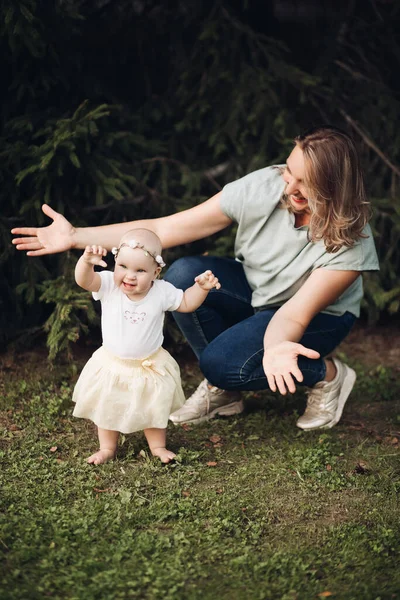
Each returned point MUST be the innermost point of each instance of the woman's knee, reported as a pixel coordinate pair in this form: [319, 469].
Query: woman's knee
[233, 360]
[218, 367]
[183, 271]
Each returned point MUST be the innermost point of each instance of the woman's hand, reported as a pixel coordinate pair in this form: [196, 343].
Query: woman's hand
[280, 365]
[54, 238]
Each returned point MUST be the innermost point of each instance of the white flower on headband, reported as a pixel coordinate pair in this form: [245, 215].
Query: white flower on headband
[134, 244]
[159, 260]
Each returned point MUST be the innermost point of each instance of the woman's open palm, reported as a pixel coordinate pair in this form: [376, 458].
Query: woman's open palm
[38, 241]
[280, 365]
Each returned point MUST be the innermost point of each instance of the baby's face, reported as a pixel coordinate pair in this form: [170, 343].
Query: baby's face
[134, 272]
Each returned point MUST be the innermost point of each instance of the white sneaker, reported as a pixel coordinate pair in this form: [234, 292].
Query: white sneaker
[326, 399]
[205, 403]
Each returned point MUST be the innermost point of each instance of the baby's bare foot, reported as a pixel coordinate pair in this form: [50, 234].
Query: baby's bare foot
[163, 454]
[102, 456]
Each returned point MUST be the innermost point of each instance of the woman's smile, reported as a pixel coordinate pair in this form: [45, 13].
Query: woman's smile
[300, 200]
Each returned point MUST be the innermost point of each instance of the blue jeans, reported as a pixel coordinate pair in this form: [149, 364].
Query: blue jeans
[226, 332]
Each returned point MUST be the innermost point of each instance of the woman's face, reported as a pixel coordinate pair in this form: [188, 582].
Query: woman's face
[293, 175]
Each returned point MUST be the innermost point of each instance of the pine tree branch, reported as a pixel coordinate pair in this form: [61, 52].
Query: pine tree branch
[209, 174]
[113, 203]
[356, 74]
[370, 143]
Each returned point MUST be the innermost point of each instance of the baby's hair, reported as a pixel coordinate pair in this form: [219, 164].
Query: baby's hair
[146, 237]
[146, 240]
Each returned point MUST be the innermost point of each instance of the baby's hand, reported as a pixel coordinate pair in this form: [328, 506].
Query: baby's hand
[93, 255]
[207, 281]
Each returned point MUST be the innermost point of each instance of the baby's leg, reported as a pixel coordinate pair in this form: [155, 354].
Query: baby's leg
[108, 441]
[156, 439]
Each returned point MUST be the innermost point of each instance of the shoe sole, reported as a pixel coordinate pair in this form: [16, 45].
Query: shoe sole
[234, 408]
[348, 384]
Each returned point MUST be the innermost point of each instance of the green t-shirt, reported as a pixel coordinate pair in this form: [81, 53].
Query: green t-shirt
[277, 257]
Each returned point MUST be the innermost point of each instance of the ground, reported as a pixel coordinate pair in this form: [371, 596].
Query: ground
[369, 349]
[252, 509]
[378, 345]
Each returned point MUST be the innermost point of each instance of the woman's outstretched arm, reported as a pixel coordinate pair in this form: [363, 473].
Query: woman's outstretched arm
[180, 228]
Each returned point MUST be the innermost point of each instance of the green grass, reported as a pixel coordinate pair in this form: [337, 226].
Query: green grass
[253, 508]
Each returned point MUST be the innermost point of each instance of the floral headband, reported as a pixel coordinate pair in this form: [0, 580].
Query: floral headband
[134, 244]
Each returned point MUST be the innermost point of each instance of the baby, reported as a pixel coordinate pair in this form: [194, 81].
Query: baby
[131, 383]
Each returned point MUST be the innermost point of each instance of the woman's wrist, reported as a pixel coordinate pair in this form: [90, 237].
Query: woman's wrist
[76, 241]
[270, 346]
[268, 352]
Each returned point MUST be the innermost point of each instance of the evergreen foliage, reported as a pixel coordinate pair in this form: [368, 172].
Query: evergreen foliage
[65, 324]
[120, 110]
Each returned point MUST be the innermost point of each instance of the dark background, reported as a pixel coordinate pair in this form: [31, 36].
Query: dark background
[116, 110]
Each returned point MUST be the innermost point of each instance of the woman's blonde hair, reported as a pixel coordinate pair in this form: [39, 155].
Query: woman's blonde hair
[338, 204]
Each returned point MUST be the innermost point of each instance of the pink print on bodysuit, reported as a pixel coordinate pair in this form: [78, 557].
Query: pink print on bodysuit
[134, 317]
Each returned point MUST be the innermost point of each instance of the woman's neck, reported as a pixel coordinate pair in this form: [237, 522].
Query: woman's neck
[302, 218]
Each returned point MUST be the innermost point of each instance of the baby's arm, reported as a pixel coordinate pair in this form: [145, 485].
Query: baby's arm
[85, 275]
[194, 296]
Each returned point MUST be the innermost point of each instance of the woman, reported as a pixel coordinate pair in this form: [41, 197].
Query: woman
[292, 294]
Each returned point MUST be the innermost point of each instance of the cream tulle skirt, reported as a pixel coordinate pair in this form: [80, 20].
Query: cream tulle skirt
[128, 395]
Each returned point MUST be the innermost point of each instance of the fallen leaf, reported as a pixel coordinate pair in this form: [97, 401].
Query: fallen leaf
[186, 426]
[99, 490]
[325, 594]
[394, 441]
[218, 445]
[53, 448]
[186, 494]
[356, 426]
[215, 438]
[328, 468]
[211, 464]
[219, 491]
